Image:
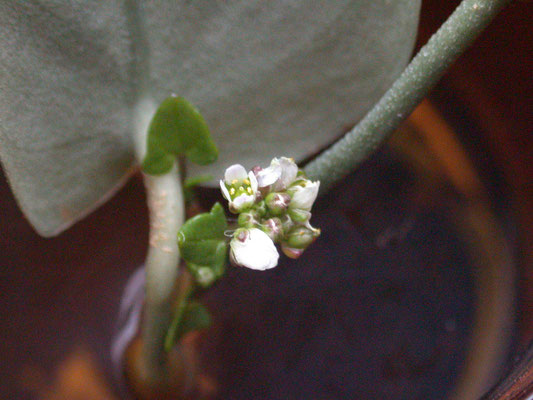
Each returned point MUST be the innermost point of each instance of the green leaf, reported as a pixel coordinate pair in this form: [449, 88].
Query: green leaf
[271, 79]
[177, 128]
[203, 245]
[193, 317]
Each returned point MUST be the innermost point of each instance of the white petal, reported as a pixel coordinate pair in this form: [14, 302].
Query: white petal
[235, 172]
[303, 197]
[268, 176]
[257, 251]
[289, 170]
[242, 201]
[224, 190]
[253, 181]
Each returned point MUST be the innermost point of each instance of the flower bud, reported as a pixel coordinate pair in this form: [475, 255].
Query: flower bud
[286, 223]
[252, 248]
[248, 219]
[303, 193]
[273, 228]
[277, 203]
[260, 209]
[300, 237]
[300, 216]
[290, 252]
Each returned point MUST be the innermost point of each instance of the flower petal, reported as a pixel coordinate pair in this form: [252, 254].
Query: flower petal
[224, 190]
[235, 172]
[268, 176]
[253, 181]
[254, 249]
[289, 170]
[242, 201]
[303, 197]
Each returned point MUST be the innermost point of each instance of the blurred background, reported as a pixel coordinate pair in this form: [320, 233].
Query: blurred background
[420, 287]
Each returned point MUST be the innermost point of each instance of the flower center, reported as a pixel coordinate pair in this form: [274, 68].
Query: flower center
[238, 188]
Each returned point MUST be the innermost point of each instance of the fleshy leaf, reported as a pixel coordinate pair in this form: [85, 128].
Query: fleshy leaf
[270, 78]
[177, 128]
[203, 245]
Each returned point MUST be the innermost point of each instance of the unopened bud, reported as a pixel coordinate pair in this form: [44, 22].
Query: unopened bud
[260, 208]
[290, 252]
[273, 228]
[247, 219]
[277, 203]
[286, 223]
[301, 237]
[301, 216]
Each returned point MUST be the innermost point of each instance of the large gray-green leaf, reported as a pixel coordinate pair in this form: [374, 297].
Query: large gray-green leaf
[271, 78]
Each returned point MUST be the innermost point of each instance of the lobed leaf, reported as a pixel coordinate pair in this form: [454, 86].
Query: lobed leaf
[177, 128]
[203, 245]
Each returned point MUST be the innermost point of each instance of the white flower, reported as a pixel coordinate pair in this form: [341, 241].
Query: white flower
[303, 194]
[252, 248]
[280, 174]
[239, 188]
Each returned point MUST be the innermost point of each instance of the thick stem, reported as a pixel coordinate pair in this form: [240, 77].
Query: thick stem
[453, 37]
[165, 202]
[166, 209]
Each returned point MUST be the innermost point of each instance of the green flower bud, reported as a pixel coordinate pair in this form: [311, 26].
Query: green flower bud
[260, 208]
[277, 203]
[300, 237]
[248, 219]
[286, 223]
[300, 216]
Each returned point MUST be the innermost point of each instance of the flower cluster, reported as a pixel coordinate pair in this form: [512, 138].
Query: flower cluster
[274, 206]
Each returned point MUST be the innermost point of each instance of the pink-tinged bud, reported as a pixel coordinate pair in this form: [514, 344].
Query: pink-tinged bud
[290, 252]
[277, 203]
[273, 228]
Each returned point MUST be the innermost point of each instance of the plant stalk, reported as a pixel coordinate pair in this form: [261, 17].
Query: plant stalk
[453, 38]
[167, 214]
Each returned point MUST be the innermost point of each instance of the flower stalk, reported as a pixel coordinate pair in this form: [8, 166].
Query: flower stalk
[422, 73]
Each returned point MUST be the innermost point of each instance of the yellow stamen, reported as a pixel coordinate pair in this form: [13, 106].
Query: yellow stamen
[241, 189]
[232, 191]
[235, 181]
[247, 181]
[249, 190]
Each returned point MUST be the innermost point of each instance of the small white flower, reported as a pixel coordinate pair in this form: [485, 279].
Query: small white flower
[268, 176]
[239, 188]
[280, 174]
[303, 194]
[252, 248]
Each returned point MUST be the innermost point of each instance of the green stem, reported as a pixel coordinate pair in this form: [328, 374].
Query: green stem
[166, 209]
[423, 72]
[185, 292]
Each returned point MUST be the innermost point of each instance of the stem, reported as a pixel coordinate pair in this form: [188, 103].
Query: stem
[186, 289]
[166, 209]
[422, 73]
[165, 202]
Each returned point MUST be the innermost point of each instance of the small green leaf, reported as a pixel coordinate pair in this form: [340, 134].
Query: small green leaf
[203, 245]
[193, 317]
[177, 128]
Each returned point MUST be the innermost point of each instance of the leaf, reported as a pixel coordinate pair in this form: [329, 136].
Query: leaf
[203, 245]
[195, 317]
[271, 79]
[177, 128]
